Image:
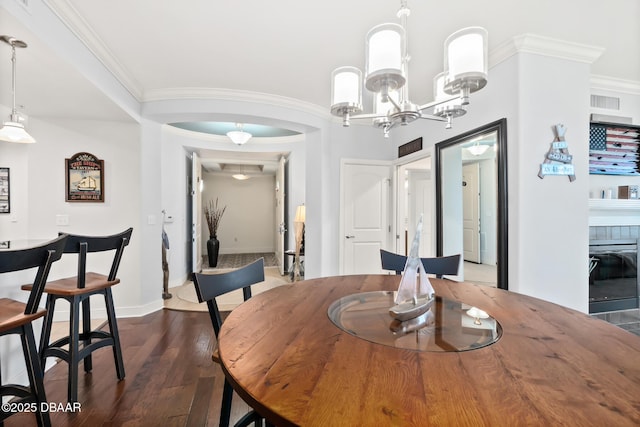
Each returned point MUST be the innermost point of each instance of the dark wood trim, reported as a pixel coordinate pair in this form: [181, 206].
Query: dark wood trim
[500, 126]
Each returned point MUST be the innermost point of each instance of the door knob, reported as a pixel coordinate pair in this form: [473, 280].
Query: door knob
[350, 237]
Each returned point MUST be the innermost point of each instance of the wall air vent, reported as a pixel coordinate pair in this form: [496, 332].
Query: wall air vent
[607, 102]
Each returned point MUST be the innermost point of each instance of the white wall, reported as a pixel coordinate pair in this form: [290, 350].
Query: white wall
[37, 196]
[248, 223]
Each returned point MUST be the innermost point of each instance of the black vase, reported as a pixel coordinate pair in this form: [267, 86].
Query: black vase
[213, 247]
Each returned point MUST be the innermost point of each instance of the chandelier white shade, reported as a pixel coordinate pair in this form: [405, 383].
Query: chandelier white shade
[384, 58]
[239, 137]
[346, 90]
[465, 61]
[13, 130]
[386, 66]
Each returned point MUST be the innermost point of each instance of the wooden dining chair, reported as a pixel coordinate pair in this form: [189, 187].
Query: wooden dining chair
[77, 290]
[440, 266]
[17, 318]
[210, 286]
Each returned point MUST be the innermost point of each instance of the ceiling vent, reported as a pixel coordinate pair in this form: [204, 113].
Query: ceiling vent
[606, 102]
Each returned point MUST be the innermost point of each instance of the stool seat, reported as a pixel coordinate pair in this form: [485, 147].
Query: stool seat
[12, 314]
[69, 285]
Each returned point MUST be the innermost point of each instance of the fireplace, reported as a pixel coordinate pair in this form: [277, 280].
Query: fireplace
[613, 275]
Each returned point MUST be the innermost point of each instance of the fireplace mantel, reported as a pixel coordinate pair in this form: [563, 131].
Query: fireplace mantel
[614, 212]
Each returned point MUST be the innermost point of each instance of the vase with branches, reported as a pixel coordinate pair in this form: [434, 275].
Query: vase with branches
[213, 213]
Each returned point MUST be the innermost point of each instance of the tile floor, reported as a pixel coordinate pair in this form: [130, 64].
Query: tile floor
[626, 319]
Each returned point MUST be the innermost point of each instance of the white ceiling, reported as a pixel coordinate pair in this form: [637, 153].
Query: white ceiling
[280, 47]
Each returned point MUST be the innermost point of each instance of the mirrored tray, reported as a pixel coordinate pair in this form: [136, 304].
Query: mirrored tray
[446, 327]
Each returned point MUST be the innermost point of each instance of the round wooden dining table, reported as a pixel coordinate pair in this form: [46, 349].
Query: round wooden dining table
[551, 366]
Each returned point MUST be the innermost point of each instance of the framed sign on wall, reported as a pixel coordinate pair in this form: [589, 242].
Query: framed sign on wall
[84, 178]
[5, 199]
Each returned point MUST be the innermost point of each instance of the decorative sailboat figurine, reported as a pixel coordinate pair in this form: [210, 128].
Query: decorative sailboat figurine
[415, 293]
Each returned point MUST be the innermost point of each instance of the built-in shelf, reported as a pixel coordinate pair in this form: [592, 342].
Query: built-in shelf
[613, 204]
[614, 212]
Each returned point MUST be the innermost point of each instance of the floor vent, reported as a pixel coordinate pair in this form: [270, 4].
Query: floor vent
[607, 102]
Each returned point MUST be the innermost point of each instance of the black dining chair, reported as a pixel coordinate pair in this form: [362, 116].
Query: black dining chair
[210, 286]
[77, 290]
[439, 266]
[16, 318]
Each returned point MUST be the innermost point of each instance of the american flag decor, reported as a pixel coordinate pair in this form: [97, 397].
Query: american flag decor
[614, 150]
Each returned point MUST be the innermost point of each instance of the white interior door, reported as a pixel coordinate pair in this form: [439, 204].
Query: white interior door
[471, 212]
[365, 213]
[280, 214]
[196, 213]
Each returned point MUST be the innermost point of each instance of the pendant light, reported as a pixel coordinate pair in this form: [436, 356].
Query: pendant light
[13, 130]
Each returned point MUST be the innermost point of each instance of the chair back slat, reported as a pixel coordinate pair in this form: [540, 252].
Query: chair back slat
[440, 266]
[210, 286]
[83, 245]
[41, 256]
[393, 262]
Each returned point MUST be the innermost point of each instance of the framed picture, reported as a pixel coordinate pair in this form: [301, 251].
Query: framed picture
[614, 149]
[84, 178]
[5, 197]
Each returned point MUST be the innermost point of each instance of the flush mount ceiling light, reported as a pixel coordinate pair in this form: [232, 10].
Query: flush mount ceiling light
[13, 130]
[386, 75]
[241, 176]
[239, 137]
[477, 149]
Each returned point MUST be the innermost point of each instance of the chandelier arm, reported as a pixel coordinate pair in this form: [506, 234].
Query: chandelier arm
[367, 116]
[433, 118]
[435, 103]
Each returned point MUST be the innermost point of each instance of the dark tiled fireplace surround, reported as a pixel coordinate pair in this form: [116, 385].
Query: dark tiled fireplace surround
[625, 317]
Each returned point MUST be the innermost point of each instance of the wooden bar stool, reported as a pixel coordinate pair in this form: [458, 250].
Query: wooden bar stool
[17, 317]
[77, 290]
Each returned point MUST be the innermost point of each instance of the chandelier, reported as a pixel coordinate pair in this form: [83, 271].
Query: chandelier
[386, 76]
[13, 130]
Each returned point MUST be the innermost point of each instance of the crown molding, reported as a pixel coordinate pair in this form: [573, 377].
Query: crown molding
[615, 85]
[70, 17]
[220, 94]
[546, 46]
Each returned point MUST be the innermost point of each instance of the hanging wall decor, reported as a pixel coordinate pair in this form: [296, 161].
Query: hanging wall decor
[5, 199]
[558, 160]
[84, 178]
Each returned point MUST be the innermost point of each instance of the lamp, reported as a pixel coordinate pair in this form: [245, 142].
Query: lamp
[239, 137]
[298, 222]
[13, 130]
[387, 64]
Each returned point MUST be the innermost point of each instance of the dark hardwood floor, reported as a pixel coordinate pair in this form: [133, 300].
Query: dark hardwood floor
[170, 378]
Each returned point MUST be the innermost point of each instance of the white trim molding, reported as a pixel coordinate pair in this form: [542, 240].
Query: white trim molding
[546, 46]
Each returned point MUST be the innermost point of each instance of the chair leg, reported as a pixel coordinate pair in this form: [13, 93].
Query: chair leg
[225, 409]
[34, 371]
[86, 331]
[74, 343]
[46, 329]
[113, 327]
